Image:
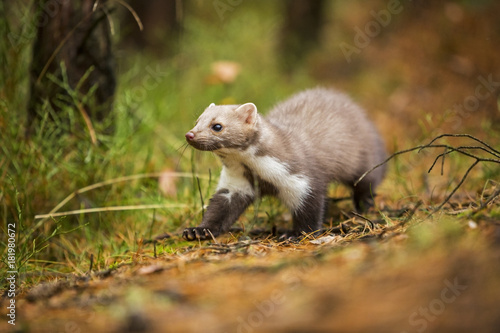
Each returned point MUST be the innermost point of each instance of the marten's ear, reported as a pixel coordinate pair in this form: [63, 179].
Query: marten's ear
[248, 113]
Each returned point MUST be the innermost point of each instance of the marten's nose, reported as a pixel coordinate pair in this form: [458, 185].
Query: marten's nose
[189, 136]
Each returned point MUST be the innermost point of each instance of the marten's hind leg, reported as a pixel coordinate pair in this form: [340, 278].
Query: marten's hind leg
[363, 195]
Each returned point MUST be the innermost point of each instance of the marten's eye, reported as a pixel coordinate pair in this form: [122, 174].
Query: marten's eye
[217, 127]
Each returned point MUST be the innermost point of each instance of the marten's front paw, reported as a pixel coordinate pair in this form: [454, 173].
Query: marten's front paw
[290, 236]
[198, 233]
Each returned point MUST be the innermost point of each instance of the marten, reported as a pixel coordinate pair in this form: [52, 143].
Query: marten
[315, 137]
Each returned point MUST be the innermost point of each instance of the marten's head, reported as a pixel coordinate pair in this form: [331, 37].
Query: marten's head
[225, 126]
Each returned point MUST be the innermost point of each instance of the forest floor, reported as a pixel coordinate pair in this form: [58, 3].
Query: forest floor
[405, 273]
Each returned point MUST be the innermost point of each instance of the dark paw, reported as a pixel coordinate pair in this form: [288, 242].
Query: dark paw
[290, 236]
[364, 204]
[198, 233]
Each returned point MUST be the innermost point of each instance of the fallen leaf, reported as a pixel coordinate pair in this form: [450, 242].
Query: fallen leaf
[326, 240]
[167, 183]
[226, 71]
[145, 270]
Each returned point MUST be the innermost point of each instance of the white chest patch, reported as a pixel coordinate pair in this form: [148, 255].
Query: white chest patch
[232, 178]
[292, 189]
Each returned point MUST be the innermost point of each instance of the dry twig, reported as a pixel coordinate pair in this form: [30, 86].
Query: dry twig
[469, 151]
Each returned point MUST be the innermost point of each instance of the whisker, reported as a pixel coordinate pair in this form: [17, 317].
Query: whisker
[185, 146]
[184, 150]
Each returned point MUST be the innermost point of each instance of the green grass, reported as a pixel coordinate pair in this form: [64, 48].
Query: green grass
[157, 101]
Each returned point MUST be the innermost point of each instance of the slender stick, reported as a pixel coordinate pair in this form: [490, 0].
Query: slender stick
[465, 136]
[111, 182]
[442, 161]
[387, 160]
[201, 197]
[456, 187]
[109, 209]
[464, 150]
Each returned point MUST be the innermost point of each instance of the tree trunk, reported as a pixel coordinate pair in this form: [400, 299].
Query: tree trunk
[76, 36]
[162, 22]
[301, 30]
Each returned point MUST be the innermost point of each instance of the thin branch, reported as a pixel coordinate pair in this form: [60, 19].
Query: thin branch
[442, 161]
[486, 148]
[456, 187]
[462, 150]
[88, 123]
[480, 148]
[201, 197]
[465, 136]
[364, 218]
[133, 12]
[91, 262]
[449, 150]
[386, 160]
[110, 21]
[109, 209]
[487, 202]
[111, 182]
[412, 212]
